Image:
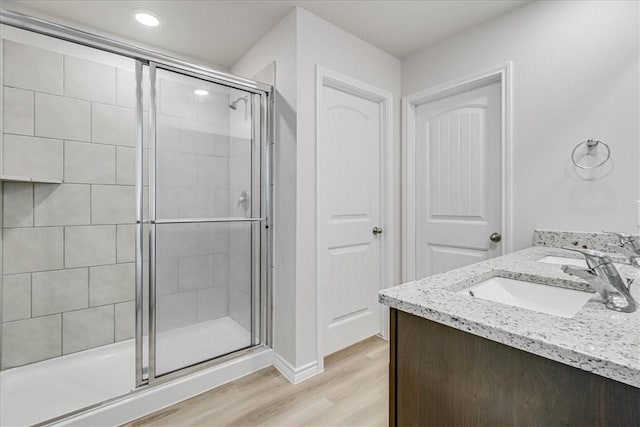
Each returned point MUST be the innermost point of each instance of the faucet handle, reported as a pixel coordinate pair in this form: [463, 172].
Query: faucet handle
[628, 241]
[629, 246]
[594, 258]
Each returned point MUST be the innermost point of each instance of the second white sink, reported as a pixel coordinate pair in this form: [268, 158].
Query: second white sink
[561, 260]
[532, 296]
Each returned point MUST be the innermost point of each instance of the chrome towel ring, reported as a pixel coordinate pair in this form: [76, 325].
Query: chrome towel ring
[592, 148]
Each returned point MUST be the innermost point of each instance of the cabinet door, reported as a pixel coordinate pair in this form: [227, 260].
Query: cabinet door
[442, 376]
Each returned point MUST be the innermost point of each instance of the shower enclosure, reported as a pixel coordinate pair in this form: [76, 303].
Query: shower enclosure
[135, 212]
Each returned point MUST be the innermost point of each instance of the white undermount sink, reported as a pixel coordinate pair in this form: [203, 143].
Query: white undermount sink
[532, 296]
[561, 260]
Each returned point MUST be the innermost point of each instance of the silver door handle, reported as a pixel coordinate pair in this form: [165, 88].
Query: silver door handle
[377, 230]
[495, 237]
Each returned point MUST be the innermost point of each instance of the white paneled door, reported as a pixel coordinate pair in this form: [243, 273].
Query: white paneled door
[350, 141]
[458, 180]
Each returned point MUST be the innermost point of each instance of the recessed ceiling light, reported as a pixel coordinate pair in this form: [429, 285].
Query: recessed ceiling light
[201, 92]
[147, 19]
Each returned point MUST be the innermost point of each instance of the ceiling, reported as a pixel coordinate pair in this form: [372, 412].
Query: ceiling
[219, 32]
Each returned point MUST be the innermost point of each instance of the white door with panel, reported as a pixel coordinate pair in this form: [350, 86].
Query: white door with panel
[458, 180]
[350, 138]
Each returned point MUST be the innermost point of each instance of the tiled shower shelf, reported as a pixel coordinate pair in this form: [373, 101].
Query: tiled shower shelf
[9, 178]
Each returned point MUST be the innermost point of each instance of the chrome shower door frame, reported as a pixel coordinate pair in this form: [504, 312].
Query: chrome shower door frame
[260, 219]
[147, 58]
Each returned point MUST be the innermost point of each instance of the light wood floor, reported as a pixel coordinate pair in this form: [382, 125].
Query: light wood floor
[352, 391]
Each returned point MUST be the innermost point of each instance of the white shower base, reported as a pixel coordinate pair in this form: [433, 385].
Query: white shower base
[40, 391]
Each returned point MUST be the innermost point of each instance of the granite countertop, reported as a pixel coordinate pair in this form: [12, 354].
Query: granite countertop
[596, 339]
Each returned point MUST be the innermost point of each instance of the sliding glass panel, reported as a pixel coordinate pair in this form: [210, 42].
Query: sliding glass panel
[203, 292]
[68, 282]
[207, 221]
[203, 149]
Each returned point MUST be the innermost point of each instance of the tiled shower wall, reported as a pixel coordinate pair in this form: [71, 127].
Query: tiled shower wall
[68, 269]
[68, 248]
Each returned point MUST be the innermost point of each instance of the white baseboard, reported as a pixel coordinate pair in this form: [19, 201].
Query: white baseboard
[157, 397]
[295, 375]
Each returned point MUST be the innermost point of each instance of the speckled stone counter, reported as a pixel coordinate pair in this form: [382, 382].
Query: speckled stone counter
[596, 339]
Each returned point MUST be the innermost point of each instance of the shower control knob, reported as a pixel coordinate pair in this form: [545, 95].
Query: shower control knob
[377, 230]
[495, 237]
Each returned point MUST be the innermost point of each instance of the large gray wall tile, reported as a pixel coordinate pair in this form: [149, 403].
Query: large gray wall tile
[113, 125]
[195, 272]
[221, 144]
[59, 291]
[84, 329]
[18, 111]
[32, 249]
[126, 89]
[193, 141]
[214, 238]
[126, 166]
[16, 297]
[167, 276]
[213, 172]
[112, 204]
[168, 133]
[196, 203]
[89, 80]
[89, 163]
[111, 284]
[166, 206]
[18, 204]
[61, 204]
[176, 98]
[64, 118]
[32, 68]
[89, 245]
[176, 310]
[125, 320]
[37, 158]
[177, 240]
[240, 308]
[126, 243]
[221, 271]
[221, 203]
[175, 169]
[213, 304]
[31, 340]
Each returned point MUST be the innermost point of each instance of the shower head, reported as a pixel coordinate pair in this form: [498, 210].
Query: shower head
[234, 104]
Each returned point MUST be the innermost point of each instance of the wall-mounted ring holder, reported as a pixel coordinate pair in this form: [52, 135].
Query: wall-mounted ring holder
[592, 152]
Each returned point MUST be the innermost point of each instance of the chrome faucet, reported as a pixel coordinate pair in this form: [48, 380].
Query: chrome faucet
[629, 246]
[604, 278]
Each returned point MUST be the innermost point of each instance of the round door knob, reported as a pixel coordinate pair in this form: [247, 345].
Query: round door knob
[377, 230]
[495, 237]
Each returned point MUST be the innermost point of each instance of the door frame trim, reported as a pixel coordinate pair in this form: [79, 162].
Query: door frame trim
[501, 73]
[330, 78]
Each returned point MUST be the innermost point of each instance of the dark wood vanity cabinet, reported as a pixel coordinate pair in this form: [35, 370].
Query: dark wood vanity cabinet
[442, 376]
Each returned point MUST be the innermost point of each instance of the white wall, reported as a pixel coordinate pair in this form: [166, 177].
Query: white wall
[279, 45]
[575, 76]
[324, 44]
[309, 41]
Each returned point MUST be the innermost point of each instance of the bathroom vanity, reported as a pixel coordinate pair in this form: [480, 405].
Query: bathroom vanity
[458, 357]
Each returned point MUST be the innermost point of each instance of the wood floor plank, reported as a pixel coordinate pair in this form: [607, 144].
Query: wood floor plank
[352, 391]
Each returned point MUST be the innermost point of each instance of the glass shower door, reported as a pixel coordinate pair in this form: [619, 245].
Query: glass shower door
[205, 212]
